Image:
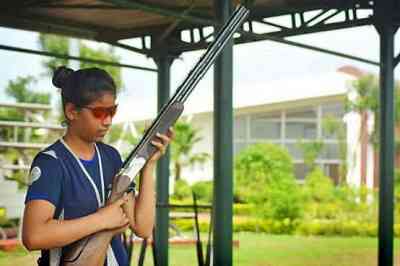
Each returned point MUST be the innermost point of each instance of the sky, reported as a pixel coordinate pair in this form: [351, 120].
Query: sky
[257, 66]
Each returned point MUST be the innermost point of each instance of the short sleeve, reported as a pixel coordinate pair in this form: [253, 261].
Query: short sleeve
[45, 179]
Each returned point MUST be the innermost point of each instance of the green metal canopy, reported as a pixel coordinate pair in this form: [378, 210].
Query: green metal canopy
[111, 21]
[168, 28]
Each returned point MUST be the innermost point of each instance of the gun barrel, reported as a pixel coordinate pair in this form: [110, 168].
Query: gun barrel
[194, 76]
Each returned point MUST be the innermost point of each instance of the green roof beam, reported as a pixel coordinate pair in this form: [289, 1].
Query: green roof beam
[65, 56]
[161, 11]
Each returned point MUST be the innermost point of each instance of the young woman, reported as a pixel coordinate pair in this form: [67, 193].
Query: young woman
[70, 179]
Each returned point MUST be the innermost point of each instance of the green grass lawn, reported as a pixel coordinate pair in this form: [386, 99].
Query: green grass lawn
[263, 250]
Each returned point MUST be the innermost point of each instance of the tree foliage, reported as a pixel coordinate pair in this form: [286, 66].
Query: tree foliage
[310, 150]
[20, 90]
[262, 164]
[186, 137]
[336, 128]
[264, 176]
[367, 89]
[54, 44]
[59, 44]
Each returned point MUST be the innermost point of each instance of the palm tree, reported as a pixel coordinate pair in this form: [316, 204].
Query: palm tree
[181, 148]
[334, 126]
[366, 102]
[375, 135]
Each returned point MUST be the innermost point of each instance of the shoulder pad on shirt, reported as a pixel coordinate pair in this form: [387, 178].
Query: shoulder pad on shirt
[52, 153]
[34, 174]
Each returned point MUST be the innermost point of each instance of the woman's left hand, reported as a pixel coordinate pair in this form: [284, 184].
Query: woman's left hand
[161, 142]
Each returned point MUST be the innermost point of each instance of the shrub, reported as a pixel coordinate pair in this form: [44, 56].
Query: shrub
[337, 228]
[264, 177]
[350, 228]
[313, 227]
[203, 191]
[397, 192]
[244, 209]
[269, 226]
[188, 225]
[356, 203]
[347, 196]
[318, 187]
[257, 166]
[182, 190]
[323, 210]
[283, 200]
[3, 216]
[246, 225]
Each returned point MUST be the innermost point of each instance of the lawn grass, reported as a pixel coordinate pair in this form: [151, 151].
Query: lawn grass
[267, 250]
[271, 250]
[263, 250]
[18, 257]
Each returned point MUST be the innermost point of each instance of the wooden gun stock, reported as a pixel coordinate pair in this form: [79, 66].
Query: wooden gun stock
[92, 250]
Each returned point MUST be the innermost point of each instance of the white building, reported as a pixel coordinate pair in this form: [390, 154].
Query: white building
[11, 198]
[284, 113]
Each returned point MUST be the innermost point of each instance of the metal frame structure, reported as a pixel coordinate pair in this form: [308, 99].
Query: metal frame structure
[386, 24]
[192, 29]
[27, 109]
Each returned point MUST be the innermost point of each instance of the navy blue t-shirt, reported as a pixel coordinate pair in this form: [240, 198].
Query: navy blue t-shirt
[92, 166]
[57, 177]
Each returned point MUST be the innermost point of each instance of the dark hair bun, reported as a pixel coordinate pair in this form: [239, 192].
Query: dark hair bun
[61, 75]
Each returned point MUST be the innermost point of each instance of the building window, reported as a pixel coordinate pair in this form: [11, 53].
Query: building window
[332, 115]
[300, 171]
[336, 132]
[330, 151]
[294, 151]
[332, 128]
[332, 170]
[333, 110]
[240, 127]
[301, 130]
[265, 126]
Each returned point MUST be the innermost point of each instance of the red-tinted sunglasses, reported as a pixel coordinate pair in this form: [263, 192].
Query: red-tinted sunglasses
[102, 112]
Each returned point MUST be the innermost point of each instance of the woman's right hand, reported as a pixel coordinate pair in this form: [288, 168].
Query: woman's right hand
[113, 216]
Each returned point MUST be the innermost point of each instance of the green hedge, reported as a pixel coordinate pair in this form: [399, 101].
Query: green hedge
[238, 208]
[297, 227]
[244, 209]
[338, 228]
[245, 225]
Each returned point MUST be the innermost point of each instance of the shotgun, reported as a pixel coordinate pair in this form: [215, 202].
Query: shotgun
[92, 250]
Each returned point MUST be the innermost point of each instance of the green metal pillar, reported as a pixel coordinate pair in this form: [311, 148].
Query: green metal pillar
[384, 12]
[162, 184]
[223, 146]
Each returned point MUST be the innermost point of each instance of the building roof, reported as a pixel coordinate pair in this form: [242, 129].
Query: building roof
[160, 25]
[96, 20]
